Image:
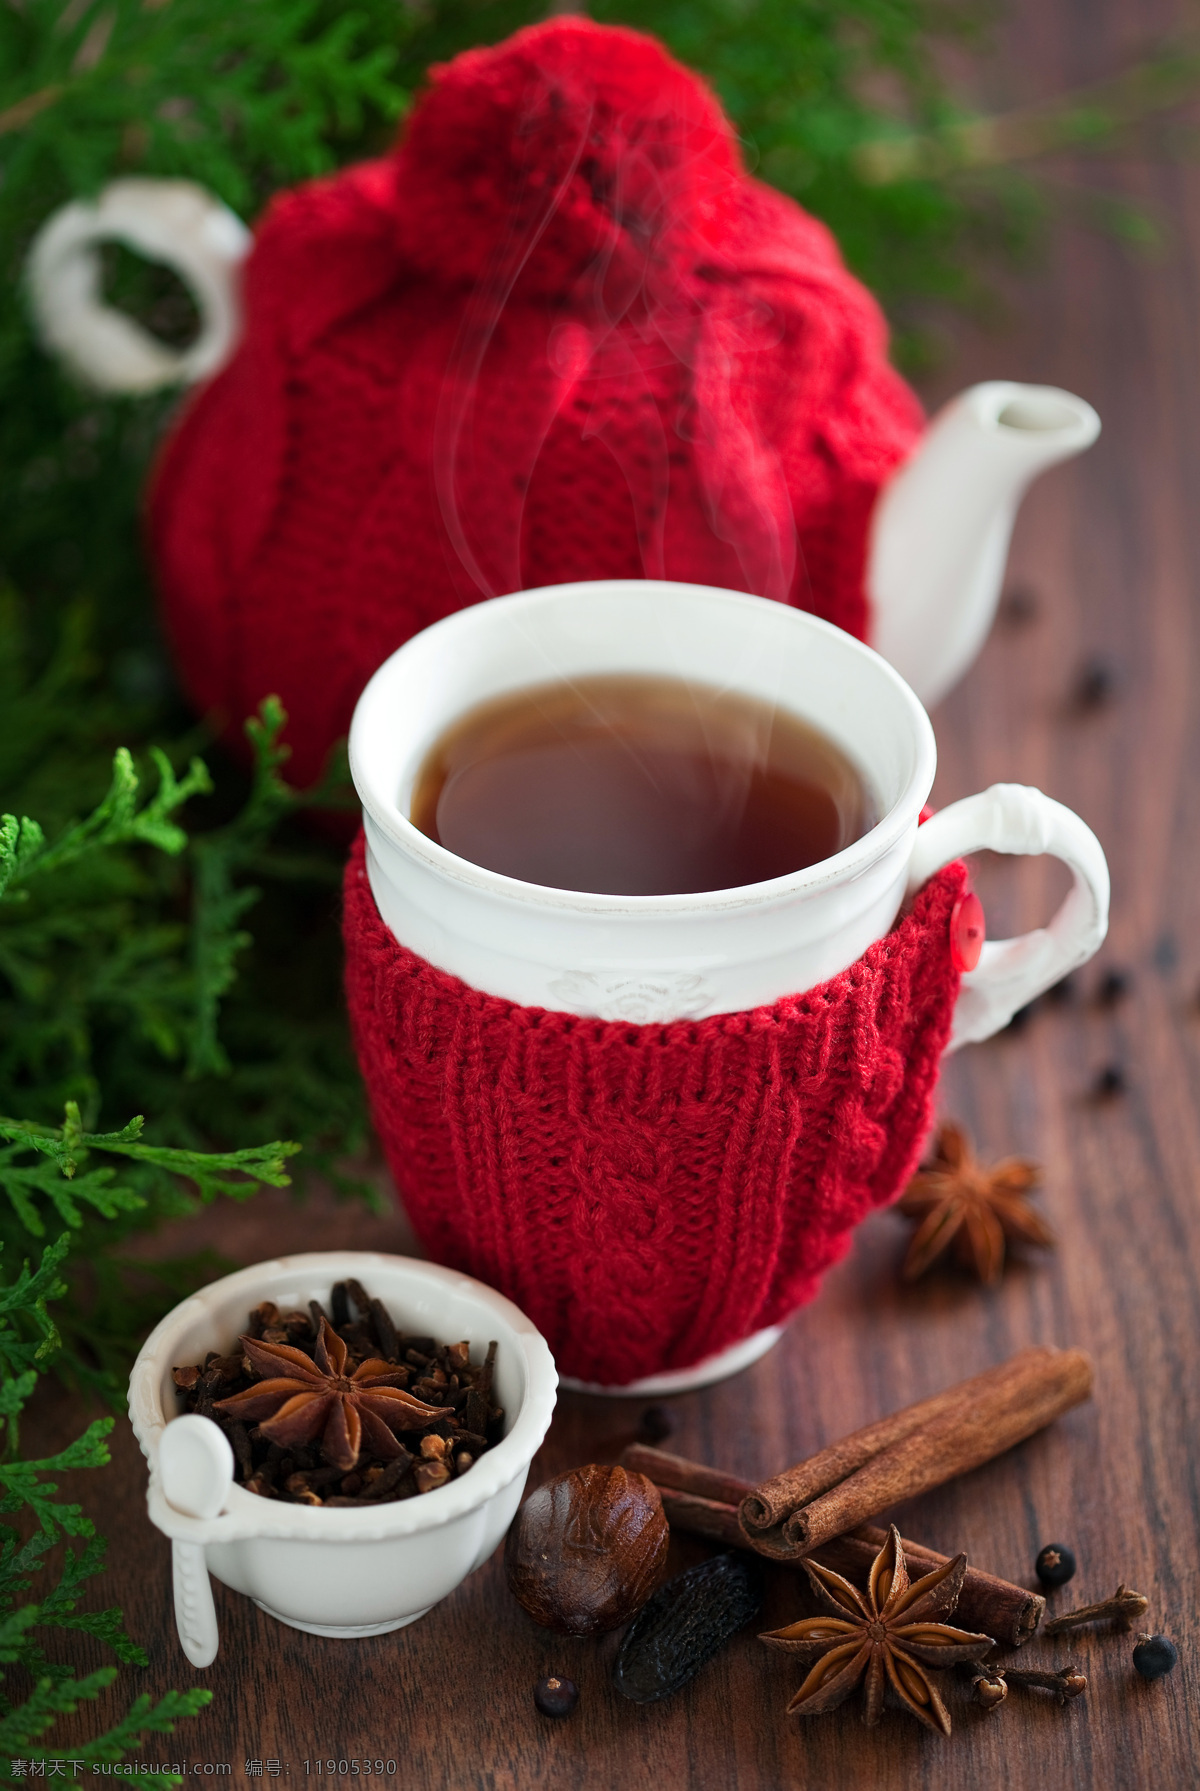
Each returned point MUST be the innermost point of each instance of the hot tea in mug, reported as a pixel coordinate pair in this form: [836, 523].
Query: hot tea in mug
[639, 785]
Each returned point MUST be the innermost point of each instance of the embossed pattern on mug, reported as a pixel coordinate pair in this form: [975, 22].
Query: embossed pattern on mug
[638, 785]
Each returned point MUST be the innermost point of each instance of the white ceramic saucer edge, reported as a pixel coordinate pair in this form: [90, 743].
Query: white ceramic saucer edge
[687, 1380]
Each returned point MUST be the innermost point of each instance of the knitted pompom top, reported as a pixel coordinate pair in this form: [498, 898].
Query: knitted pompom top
[557, 334]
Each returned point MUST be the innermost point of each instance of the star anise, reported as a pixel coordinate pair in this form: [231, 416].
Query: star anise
[885, 1636]
[309, 1397]
[959, 1203]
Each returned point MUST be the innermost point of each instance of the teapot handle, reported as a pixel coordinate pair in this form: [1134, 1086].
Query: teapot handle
[173, 221]
[1011, 972]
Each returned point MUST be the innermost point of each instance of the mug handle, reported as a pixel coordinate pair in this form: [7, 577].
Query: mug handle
[1011, 972]
[174, 221]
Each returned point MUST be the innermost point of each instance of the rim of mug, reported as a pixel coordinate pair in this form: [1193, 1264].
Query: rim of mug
[385, 811]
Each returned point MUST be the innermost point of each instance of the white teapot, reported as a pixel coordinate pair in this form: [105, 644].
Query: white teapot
[941, 527]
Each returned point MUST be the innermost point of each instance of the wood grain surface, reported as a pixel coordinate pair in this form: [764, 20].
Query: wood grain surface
[1109, 547]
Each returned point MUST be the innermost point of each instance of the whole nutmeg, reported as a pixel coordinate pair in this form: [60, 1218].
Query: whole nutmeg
[586, 1550]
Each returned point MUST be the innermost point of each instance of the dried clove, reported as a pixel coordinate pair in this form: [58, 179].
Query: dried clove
[477, 1410]
[308, 1479]
[242, 1453]
[298, 1327]
[1068, 1682]
[339, 1301]
[429, 1474]
[1121, 1610]
[357, 1336]
[391, 1475]
[385, 1332]
[989, 1688]
[360, 1296]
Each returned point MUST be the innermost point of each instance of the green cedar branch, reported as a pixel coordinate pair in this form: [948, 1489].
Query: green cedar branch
[37, 1338]
[116, 821]
[234, 1173]
[51, 1698]
[63, 1531]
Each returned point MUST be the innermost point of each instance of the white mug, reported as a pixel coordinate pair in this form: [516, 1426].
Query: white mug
[659, 958]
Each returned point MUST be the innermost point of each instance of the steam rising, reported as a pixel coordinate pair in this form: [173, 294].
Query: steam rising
[645, 352]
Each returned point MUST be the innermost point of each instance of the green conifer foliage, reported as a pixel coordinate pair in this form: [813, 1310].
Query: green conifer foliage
[50, 1548]
[119, 940]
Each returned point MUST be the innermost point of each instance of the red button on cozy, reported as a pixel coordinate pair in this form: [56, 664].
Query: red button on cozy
[968, 930]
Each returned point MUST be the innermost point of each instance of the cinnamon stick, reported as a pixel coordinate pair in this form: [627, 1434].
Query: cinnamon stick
[987, 1604]
[709, 1518]
[685, 1476]
[913, 1450]
[772, 1503]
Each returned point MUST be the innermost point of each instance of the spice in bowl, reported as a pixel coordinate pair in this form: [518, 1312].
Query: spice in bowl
[347, 1411]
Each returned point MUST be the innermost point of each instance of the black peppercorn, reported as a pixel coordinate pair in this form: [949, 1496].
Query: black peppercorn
[1109, 1082]
[1019, 606]
[1055, 1564]
[1095, 685]
[1113, 987]
[655, 1425]
[556, 1697]
[1154, 1656]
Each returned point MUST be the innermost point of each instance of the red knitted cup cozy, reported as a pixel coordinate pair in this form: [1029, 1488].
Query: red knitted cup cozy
[557, 334]
[650, 1195]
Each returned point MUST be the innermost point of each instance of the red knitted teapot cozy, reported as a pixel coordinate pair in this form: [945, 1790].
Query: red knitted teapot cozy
[556, 334]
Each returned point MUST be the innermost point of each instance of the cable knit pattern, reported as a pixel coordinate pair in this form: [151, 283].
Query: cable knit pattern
[557, 334]
[650, 1195]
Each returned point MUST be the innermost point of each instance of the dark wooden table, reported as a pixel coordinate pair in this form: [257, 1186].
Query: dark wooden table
[1110, 549]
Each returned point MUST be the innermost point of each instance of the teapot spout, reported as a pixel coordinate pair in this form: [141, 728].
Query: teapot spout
[941, 527]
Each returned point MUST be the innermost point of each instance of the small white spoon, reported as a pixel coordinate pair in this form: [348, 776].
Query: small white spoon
[196, 1464]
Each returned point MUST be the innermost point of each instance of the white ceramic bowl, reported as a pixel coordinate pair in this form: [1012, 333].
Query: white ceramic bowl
[345, 1572]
